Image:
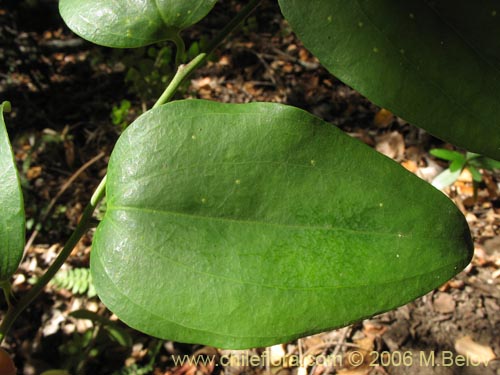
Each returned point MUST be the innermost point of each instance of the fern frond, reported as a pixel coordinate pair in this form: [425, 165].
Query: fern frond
[77, 280]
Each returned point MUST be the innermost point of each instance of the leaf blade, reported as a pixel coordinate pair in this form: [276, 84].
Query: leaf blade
[254, 213]
[12, 219]
[447, 154]
[434, 64]
[131, 23]
[446, 178]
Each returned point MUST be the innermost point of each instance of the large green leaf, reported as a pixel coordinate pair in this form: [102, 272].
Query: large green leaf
[434, 63]
[12, 222]
[252, 224]
[131, 23]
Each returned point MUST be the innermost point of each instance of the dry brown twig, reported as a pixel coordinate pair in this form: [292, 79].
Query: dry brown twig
[61, 191]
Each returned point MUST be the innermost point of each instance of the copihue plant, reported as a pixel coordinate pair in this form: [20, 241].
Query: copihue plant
[243, 225]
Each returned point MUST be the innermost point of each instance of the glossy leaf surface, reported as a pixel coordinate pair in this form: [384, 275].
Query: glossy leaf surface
[12, 222]
[253, 224]
[131, 23]
[434, 63]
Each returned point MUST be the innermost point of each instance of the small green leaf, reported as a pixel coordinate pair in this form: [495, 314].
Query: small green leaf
[446, 178]
[434, 63]
[114, 330]
[457, 165]
[485, 163]
[12, 220]
[119, 335]
[253, 224]
[445, 154]
[471, 156]
[476, 175]
[131, 23]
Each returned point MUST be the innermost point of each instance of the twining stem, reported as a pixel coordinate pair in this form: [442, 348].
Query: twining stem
[80, 230]
[180, 49]
[185, 70]
[233, 24]
[182, 73]
[7, 291]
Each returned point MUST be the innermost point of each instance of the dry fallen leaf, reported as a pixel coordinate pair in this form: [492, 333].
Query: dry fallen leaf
[444, 303]
[491, 186]
[464, 183]
[410, 165]
[465, 176]
[366, 343]
[482, 258]
[225, 60]
[474, 351]
[430, 171]
[69, 152]
[357, 362]
[391, 145]
[204, 82]
[383, 118]
[453, 284]
[33, 172]
[371, 329]
[304, 55]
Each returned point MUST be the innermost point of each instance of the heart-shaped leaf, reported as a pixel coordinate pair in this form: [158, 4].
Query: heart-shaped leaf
[434, 63]
[12, 222]
[131, 23]
[253, 224]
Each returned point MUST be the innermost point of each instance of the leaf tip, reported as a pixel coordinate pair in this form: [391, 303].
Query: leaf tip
[6, 106]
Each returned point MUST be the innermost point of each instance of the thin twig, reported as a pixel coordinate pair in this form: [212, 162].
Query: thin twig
[341, 342]
[61, 191]
[82, 227]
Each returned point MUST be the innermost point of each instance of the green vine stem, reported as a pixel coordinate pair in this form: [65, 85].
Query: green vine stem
[7, 292]
[185, 70]
[180, 49]
[14, 311]
[182, 73]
